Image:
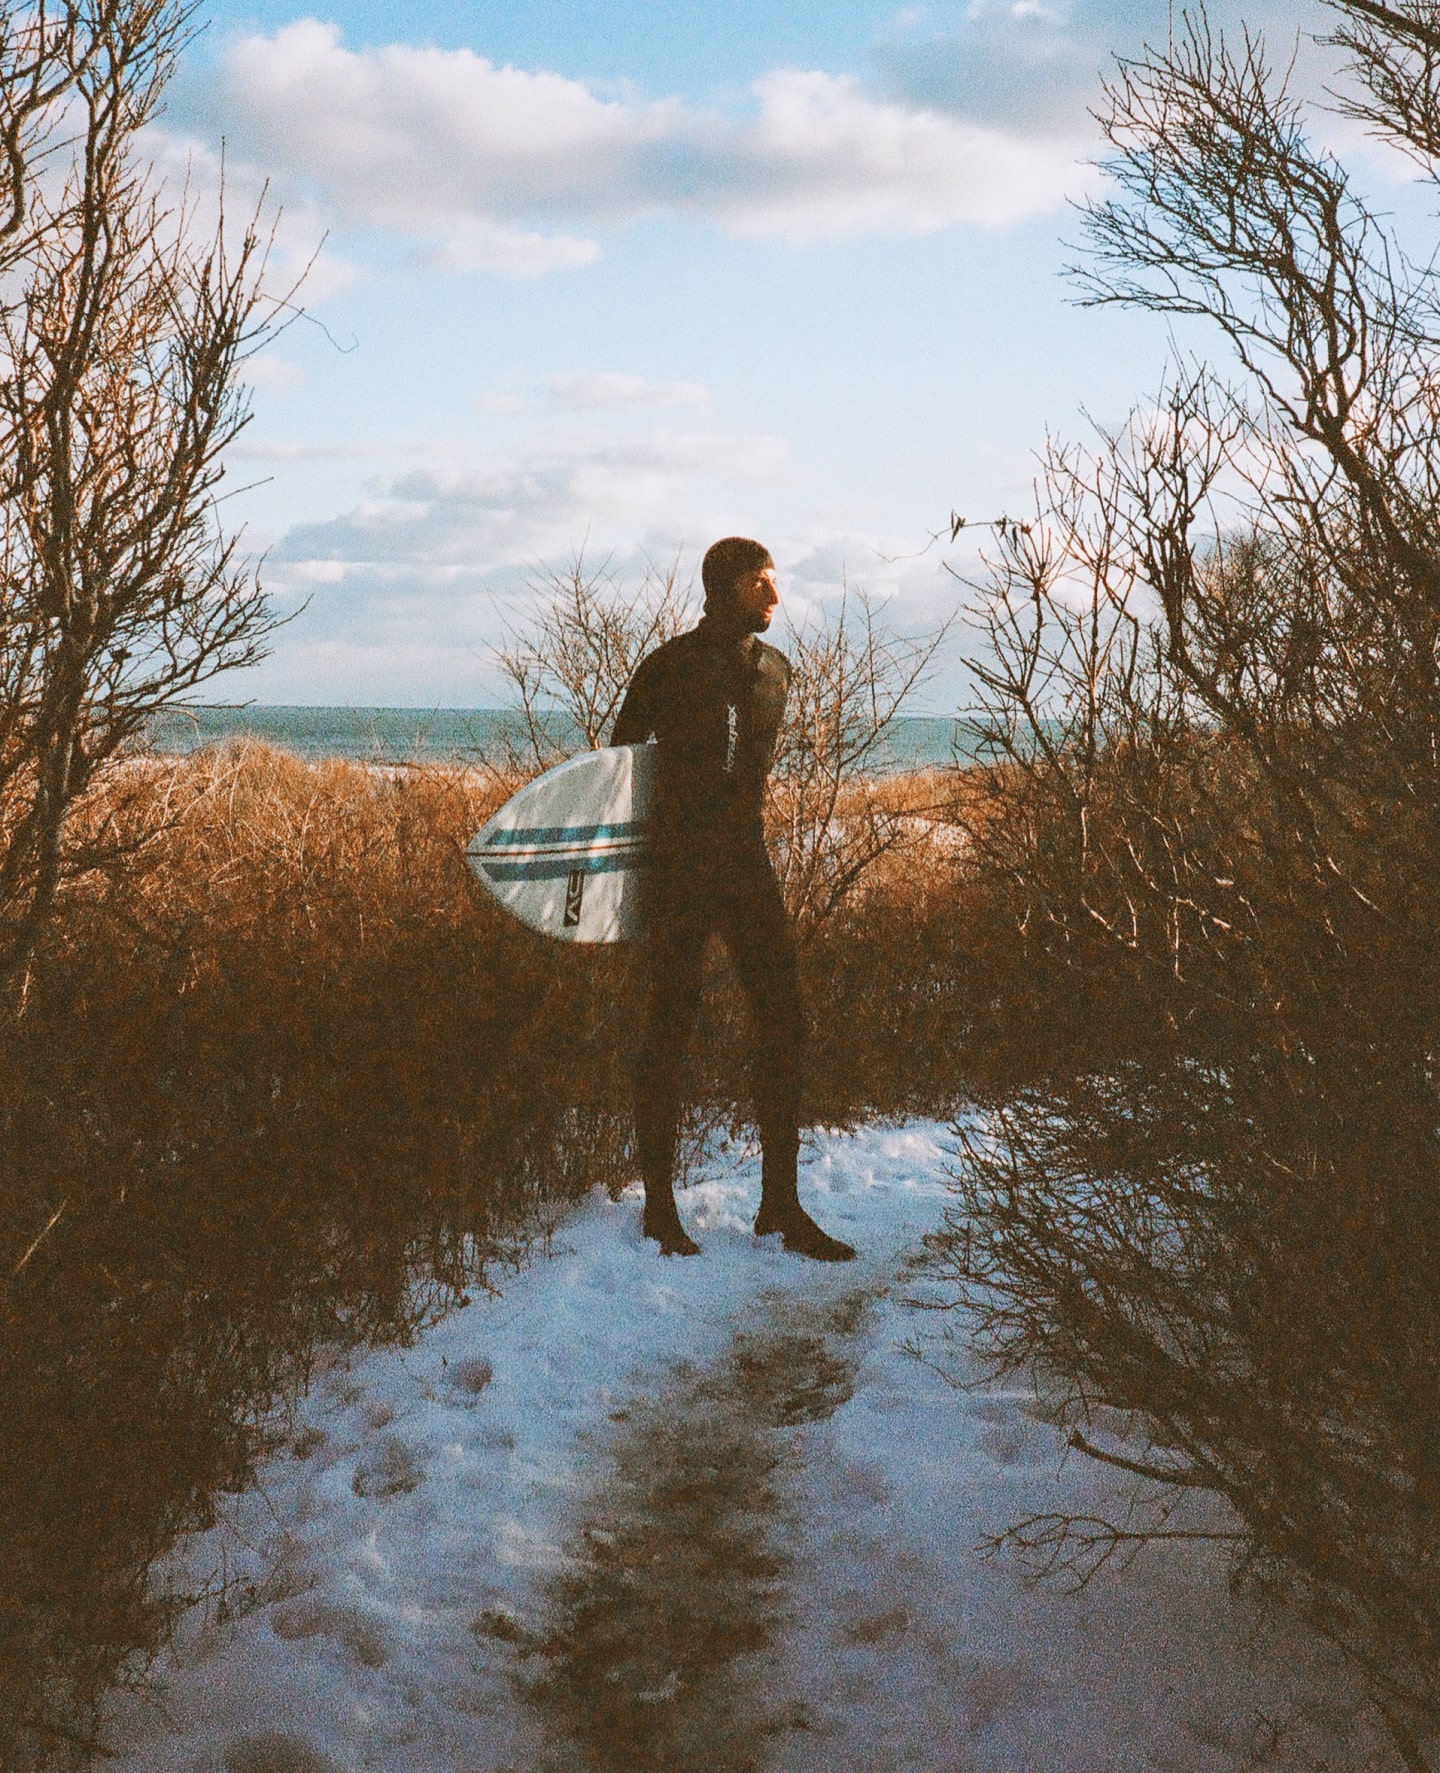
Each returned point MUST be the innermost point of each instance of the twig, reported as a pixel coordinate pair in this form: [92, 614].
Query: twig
[54, 1220]
[1187, 1480]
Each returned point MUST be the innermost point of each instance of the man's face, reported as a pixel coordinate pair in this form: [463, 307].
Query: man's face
[756, 599]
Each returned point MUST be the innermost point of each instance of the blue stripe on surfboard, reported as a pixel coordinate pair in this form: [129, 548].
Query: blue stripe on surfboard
[579, 835]
[632, 848]
[561, 867]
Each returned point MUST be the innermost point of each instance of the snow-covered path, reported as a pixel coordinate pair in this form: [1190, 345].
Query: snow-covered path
[708, 1514]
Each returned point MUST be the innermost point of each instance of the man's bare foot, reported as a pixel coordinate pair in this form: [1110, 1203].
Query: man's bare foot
[800, 1234]
[665, 1227]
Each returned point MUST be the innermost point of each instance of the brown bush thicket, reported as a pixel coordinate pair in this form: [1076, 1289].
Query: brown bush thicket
[1204, 890]
[882, 974]
[292, 1078]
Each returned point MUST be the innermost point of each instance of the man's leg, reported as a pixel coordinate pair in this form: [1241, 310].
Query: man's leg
[762, 946]
[676, 954]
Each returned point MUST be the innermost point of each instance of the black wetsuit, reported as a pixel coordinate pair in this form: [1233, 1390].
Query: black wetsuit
[714, 699]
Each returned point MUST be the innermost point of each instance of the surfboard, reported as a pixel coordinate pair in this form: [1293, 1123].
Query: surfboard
[566, 855]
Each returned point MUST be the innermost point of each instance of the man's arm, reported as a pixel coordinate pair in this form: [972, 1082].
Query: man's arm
[636, 722]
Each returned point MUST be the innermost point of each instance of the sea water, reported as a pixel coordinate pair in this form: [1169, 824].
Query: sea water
[461, 735]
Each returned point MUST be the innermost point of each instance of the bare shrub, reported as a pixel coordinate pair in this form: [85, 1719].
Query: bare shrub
[829, 815]
[571, 662]
[885, 976]
[286, 1080]
[1206, 1195]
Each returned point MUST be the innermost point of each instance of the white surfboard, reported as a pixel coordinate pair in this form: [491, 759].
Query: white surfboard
[566, 855]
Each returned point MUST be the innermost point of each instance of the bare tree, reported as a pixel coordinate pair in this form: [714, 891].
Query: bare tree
[571, 662]
[1214, 676]
[853, 678]
[123, 328]
[1395, 55]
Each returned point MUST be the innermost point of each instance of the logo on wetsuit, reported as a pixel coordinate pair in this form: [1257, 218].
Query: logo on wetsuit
[732, 735]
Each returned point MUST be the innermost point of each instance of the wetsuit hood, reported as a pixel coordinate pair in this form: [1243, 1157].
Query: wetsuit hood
[725, 563]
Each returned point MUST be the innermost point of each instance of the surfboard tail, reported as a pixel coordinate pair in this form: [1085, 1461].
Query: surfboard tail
[567, 854]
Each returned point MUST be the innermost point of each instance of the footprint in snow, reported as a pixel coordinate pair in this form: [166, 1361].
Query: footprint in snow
[275, 1752]
[391, 1470]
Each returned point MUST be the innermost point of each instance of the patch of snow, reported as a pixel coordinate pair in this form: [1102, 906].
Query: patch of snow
[403, 1546]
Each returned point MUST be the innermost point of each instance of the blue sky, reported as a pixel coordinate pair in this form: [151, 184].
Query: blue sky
[629, 276]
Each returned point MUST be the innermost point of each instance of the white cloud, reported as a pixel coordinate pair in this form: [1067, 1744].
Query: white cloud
[300, 268]
[402, 632]
[407, 592]
[1027, 67]
[398, 630]
[615, 392]
[269, 370]
[290, 449]
[431, 524]
[509, 252]
[317, 572]
[509, 171]
[823, 160]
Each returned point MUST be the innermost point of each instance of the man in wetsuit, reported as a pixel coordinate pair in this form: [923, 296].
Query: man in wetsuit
[713, 701]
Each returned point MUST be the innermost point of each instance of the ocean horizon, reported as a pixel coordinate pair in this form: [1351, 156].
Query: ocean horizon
[472, 735]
